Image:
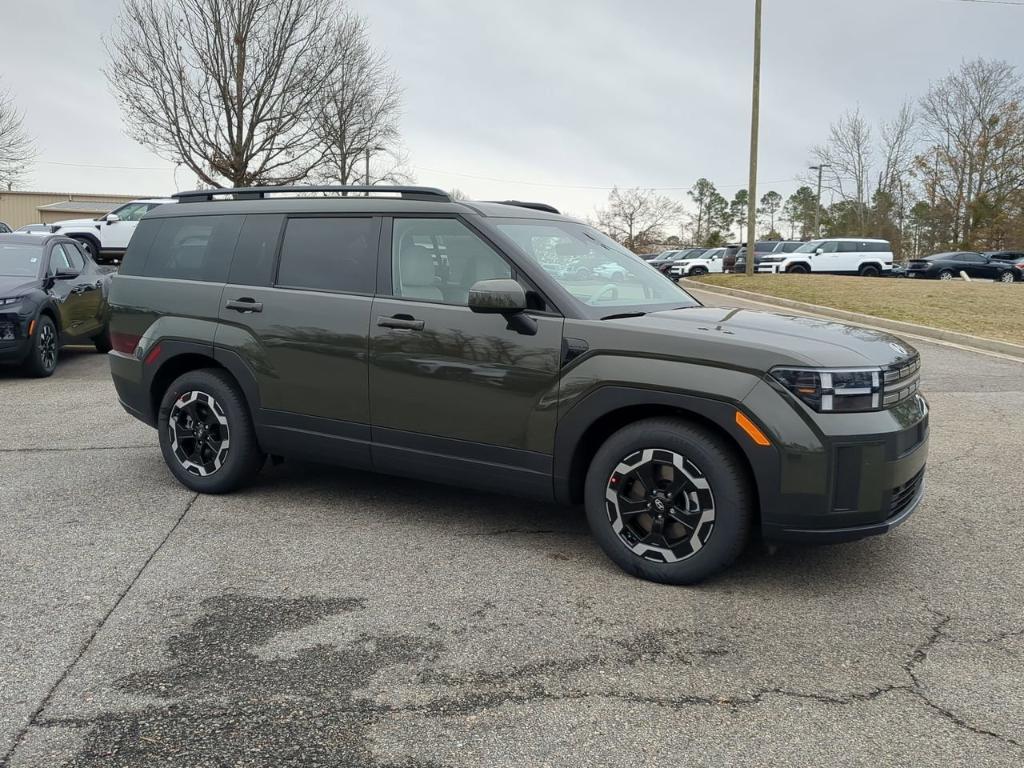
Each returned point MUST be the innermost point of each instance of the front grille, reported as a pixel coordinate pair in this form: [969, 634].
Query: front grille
[900, 381]
[903, 495]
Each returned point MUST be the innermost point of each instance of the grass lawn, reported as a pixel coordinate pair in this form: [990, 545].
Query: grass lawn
[992, 310]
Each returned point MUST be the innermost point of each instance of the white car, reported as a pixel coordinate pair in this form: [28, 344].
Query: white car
[611, 271]
[709, 261]
[106, 238]
[863, 256]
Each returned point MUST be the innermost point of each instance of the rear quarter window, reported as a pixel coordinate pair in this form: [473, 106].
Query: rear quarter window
[183, 248]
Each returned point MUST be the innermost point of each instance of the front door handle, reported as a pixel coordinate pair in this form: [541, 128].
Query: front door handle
[406, 322]
[244, 304]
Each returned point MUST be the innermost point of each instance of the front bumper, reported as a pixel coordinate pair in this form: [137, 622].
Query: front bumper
[15, 343]
[841, 477]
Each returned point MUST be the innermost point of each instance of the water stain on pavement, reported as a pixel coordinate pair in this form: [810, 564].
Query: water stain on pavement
[228, 705]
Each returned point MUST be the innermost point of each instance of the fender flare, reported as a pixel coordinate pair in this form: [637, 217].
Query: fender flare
[764, 461]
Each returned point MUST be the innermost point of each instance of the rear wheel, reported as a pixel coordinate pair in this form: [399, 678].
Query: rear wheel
[869, 270]
[43, 352]
[206, 433]
[798, 269]
[946, 274]
[1006, 277]
[668, 501]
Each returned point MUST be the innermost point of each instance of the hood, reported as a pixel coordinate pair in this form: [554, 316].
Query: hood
[77, 223]
[16, 285]
[750, 339]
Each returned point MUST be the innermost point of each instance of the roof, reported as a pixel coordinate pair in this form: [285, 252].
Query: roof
[78, 206]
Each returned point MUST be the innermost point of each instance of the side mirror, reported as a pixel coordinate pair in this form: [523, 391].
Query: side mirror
[503, 297]
[65, 274]
[497, 297]
[112, 218]
[818, 251]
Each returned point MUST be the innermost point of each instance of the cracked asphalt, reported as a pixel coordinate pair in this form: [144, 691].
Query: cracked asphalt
[333, 618]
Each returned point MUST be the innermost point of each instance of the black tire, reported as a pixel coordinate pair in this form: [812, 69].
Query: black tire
[213, 393]
[869, 270]
[798, 269]
[698, 271]
[44, 350]
[707, 457]
[946, 274]
[102, 341]
[1006, 277]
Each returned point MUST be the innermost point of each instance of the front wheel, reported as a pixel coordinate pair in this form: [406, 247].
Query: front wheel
[798, 269]
[669, 501]
[89, 246]
[44, 349]
[698, 271]
[102, 341]
[206, 433]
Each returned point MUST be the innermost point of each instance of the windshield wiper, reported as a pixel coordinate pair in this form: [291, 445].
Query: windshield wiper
[621, 315]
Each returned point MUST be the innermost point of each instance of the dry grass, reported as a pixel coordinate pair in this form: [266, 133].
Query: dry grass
[992, 310]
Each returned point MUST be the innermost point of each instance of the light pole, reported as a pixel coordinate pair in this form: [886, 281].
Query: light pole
[817, 207]
[368, 151]
[754, 115]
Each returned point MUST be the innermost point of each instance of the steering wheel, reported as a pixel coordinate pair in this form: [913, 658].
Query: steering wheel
[611, 288]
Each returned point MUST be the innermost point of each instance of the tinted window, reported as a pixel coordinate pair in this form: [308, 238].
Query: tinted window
[192, 248]
[439, 259]
[829, 246]
[330, 254]
[74, 256]
[848, 247]
[58, 259]
[134, 260]
[790, 247]
[879, 247]
[253, 263]
[973, 258]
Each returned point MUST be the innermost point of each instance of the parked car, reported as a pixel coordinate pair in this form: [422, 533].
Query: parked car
[1012, 257]
[866, 257]
[106, 237]
[729, 257]
[320, 328]
[665, 266]
[946, 266]
[51, 294]
[761, 247]
[611, 270]
[662, 258]
[36, 229]
[701, 264]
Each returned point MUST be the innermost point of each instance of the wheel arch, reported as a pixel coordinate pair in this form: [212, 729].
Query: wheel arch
[86, 236]
[180, 357]
[590, 422]
[806, 265]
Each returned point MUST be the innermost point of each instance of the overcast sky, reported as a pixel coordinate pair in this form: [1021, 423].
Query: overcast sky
[550, 100]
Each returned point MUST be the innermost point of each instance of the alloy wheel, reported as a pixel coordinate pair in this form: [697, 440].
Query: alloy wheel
[48, 346]
[660, 505]
[945, 275]
[199, 433]
[1006, 277]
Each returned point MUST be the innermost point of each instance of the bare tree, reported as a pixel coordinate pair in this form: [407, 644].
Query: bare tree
[637, 217]
[358, 120]
[228, 88]
[848, 155]
[898, 142]
[973, 124]
[16, 148]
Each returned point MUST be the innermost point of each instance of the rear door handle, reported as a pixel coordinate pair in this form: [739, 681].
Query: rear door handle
[244, 304]
[406, 322]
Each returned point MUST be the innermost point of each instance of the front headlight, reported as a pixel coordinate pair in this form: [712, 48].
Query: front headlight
[834, 391]
[10, 300]
[773, 258]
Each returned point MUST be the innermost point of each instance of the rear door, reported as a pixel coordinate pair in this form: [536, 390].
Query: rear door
[89, 287]
[457, 395]
[296, 312]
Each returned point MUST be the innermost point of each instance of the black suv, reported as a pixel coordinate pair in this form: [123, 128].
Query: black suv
[393, 329]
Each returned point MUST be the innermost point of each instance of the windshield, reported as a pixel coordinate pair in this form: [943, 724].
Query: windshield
[593, 268]
[810, 247]
[17, 260]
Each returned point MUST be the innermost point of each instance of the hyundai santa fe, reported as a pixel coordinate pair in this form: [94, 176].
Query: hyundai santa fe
[393, 329]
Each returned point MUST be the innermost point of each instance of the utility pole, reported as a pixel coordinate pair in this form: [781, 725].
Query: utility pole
[817, 206]
[754, 116]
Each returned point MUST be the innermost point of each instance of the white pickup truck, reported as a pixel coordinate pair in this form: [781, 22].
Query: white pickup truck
[709, 261]
[106, 237]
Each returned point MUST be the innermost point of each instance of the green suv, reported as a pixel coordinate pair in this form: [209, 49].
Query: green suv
[393, 329]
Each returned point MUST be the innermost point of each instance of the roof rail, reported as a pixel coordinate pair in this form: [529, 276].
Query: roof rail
[430, 194]
[535, 206]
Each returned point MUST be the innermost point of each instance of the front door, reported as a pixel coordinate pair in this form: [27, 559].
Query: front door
[71, 297]
[456, 395]
[299, 320]
[115, 235]
[828, 259]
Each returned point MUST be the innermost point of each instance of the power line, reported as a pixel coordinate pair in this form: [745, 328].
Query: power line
[992, 2]
[111, 167]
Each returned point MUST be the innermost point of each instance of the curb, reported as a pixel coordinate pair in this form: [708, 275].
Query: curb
[965, 340]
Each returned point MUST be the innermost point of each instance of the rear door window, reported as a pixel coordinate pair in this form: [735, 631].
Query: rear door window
[192, 248]
[330, 253]
[253, 263]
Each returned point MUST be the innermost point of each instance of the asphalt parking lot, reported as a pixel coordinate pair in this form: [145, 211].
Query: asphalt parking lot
[326, 617]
